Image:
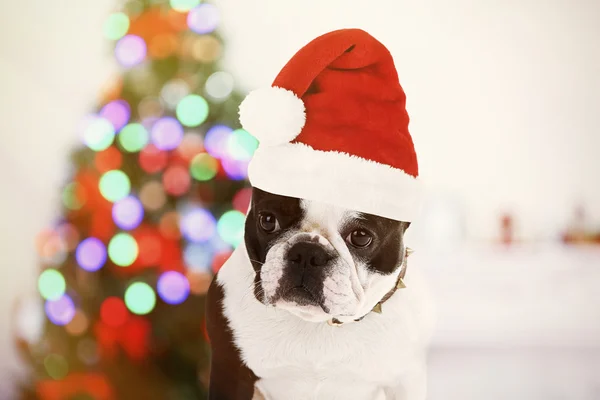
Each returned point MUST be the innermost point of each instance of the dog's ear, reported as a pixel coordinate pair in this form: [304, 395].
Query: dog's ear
[405, 226]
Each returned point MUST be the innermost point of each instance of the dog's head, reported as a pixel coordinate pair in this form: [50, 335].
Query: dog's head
[319, 261]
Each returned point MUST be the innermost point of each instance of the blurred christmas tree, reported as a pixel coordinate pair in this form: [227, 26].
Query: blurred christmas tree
[154, 207]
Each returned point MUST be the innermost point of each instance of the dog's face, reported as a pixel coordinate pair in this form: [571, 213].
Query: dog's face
[319, 261]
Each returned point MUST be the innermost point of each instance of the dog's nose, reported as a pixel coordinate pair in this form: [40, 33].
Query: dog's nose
[308, 255]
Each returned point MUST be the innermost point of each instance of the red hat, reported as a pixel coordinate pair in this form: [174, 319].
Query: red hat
[333, 128]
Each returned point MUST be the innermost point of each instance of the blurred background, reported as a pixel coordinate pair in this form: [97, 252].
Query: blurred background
[119, 138]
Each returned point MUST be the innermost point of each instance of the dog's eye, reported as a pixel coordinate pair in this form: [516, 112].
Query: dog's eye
[359, 238]
[268, 222]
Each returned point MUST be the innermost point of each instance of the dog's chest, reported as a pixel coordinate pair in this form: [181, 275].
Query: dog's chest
[315, 360]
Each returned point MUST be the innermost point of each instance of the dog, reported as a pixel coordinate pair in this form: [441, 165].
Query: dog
[318, 303]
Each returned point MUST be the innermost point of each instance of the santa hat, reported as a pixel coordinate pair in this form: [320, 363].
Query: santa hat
[333, 128]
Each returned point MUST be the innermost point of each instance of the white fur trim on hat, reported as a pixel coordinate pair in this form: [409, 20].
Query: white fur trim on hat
[297, 170]
[273, 115]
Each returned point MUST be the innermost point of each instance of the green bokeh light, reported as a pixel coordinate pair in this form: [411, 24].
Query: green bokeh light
[56, 366]
[184, 5]
[114, 185]
[116, 26]
[51, 284]
[123, 249]
[133, 137]
[70, 197]
[203, 167]
[231, 227]
[241, 145]
[192, 110]
[140, 298]
[99, 134]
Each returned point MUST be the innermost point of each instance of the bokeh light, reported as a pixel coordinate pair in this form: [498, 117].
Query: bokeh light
[91, 254]
[110, 158]
[241, 145]
[216, 141]
[133, 137]
[114, 185]
[199, 282]
[163, 45]
[166, 133]
[117, 112]
[113, 312]
[150, 108]
[236, 170]
[198, 225]
[122, 249]
[51, 284]
[198, 256]
[152, 159]
[241, 200]
[130, 50]
[56, 366]
[176, 180]
[168, 225]
[128, 213]
[73, 196]
[78, 324]
[203, 19]
[173, 287]
[183, 5]
[140, 298]
[190, 146]
[60, 311]
[151, 247]
[53, 249]
[116, 26]
[219, 86]
[203, 167]
[173, 91]
[219, 245]
[206, 49]
[69, 234]
[192, 110]
[152, 195]
[231, 227]
[98, 133]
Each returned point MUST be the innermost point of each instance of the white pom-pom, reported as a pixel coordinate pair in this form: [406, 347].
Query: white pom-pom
[273, 115]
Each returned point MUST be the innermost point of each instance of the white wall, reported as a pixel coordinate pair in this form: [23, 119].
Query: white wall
[52, 65]
[504, 100]
[503, 95]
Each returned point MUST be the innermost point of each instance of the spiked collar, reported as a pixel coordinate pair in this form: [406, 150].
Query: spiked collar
[378, 307]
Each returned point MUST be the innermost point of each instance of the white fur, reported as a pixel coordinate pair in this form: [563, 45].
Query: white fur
[297, 170]
[273, 115]
[298, 359]
[297, 355]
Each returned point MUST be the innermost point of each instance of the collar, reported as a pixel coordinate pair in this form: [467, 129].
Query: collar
[399, 285]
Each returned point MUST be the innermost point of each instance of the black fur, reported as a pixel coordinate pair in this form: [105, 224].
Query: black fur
[258, 242]
[384, 255]
[230, 378]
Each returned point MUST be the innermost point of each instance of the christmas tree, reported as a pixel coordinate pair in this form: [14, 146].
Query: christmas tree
[154, 206]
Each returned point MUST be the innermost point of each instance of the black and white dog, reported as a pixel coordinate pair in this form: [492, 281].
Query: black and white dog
[307, 308]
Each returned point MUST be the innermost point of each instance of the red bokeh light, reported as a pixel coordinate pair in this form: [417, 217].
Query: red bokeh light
[176, 180]
[152, 159]
[113, 312]
[241, 200]
[108, 159]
